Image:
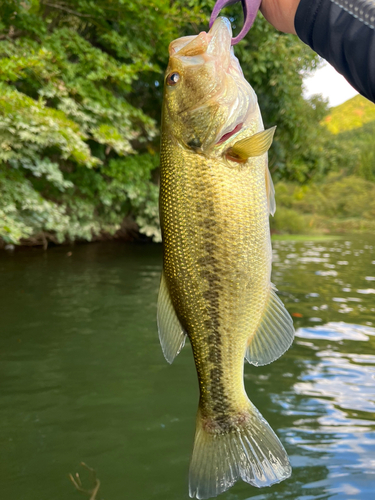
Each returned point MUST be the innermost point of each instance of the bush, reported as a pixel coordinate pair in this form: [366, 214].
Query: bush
[289, 221]
[340, 204]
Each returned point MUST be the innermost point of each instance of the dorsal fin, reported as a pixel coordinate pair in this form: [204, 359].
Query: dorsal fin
[252, 146]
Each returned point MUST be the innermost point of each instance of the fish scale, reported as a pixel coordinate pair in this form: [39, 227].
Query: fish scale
[215, 199]
[222, 257]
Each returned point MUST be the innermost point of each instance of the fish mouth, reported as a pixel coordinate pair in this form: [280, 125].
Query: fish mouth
[228, 135]
[215, 43]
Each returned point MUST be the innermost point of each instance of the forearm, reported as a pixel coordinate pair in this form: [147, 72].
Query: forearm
[280, 13]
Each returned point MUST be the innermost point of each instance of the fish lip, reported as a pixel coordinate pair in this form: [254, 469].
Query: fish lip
[229, 135]
[220, 37]
[221, 23]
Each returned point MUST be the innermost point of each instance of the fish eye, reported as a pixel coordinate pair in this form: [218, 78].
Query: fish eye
[173, 78]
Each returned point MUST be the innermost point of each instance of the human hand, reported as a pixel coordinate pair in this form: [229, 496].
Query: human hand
[280, 13]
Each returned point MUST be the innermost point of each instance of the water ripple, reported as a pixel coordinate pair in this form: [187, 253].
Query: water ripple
[337, 331]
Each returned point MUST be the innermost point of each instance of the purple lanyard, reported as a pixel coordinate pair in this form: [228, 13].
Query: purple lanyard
[250, 9]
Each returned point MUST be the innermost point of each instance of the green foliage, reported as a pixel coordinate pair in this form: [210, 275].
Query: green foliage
[366, 163]
[341, 203]
[80, 99]
[289, 221]
[69, 132]
[24, 212]
[350, 142]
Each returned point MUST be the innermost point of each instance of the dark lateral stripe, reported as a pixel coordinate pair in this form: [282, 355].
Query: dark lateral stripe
[209, 271]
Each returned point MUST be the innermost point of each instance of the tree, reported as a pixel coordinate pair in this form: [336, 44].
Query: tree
[80, 98]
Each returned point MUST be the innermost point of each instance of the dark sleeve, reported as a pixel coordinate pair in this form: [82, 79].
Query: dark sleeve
[343, 33]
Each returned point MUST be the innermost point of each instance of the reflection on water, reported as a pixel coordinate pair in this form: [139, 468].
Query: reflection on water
[82, 376]
[338, 387]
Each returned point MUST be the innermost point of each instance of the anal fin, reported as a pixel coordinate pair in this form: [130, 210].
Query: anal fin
[171, 334]
[274, 335]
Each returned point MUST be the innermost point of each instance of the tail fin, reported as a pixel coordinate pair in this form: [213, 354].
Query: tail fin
[249, 450]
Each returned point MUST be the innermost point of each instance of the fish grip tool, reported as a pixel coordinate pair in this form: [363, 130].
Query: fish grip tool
[250, 9]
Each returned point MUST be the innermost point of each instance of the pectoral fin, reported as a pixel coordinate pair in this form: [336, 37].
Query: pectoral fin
[274, 334]
[252, 146]
[171, 334]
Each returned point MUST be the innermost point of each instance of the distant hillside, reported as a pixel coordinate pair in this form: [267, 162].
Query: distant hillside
[352, 114]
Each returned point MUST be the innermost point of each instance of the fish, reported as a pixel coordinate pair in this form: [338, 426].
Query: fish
[216, 195]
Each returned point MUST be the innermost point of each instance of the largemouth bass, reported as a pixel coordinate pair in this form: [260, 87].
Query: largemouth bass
[215, 198]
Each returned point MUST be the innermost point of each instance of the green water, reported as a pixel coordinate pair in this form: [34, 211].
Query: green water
[82, 377]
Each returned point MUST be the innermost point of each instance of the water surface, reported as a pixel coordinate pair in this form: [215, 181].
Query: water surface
[82, 376]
